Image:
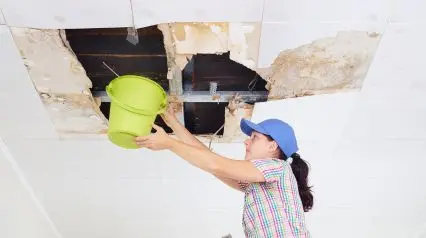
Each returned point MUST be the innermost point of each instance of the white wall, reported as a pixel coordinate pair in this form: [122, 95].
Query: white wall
[21, 216]
[93, 189]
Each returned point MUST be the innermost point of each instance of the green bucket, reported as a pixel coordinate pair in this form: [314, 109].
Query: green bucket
[135, 103]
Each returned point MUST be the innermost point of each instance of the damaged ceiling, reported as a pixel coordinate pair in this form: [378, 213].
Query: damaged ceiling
[70, 69]
[326, 65]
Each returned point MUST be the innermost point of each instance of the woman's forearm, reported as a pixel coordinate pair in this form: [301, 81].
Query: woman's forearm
[196, 155]
[183, 134]
[238, 170]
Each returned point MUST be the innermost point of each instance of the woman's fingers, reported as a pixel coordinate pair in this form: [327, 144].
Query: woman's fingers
[171, 110]
[146, 144]
[142, 138]
[157, 128]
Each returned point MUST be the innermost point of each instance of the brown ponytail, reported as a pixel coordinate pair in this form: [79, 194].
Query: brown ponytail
[301, 171]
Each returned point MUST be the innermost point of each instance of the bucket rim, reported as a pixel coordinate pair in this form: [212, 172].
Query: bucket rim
[163, 105]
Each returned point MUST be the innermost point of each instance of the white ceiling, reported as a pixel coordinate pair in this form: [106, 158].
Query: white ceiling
[367, 157]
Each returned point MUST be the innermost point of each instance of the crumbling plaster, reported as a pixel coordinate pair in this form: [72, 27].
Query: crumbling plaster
[60, 80]
[240, 39]
[325, 65]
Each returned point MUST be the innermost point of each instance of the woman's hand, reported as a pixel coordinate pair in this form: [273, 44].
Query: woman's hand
[160, 140]
[169, 117]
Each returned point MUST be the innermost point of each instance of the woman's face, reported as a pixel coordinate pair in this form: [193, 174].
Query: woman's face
[259, 147]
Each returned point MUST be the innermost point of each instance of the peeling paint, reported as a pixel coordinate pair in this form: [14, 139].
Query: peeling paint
[51, 65]
[170, 48]
[74, 113]
[182, 60]
[204, 38]
[244, 43]
[175, 103]
[323, 66]
[326, 65]
[60, 80]
[234, 112]
[240, 39]
[182, 40]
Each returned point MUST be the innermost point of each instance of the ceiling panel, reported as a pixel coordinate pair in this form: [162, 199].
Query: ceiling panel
[148, 12]
[326, 10]
[23, 114]
[408, 11]
[67, 14]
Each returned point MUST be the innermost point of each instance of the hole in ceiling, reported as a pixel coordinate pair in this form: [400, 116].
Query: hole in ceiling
[148, 58]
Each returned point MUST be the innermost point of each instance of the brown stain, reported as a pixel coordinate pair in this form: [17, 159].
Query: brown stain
[81, 103]
[202, 28]
[234, 112]
[253, 41]
[179, 31]
[205, 28]
[373, 34]
[73, 100]
[177, 107]
[103, 131]
[329, 64]
[176, 103]
[173, 99]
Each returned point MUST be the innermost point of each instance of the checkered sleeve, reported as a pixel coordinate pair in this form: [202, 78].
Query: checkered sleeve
[272, 170]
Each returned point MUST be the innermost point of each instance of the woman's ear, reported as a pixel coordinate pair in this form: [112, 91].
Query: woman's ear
[273, 145]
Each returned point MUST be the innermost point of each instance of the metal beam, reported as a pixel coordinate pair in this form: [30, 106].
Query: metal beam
[224, 96]
[205, 96]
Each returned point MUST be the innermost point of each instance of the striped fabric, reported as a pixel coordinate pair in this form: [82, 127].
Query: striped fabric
[273, 208]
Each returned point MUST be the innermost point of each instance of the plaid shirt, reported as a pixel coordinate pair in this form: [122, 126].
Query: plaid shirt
[273, 208]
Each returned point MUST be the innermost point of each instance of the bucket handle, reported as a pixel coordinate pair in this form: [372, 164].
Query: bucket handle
[133, 109]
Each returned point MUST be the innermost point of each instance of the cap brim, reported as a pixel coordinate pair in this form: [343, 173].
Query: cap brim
[247, 127]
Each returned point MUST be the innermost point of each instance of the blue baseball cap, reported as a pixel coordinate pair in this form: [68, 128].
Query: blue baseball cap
[281, 132]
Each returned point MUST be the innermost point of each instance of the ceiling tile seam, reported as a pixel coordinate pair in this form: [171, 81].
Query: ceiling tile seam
[5, 151]
[313, 21]
[260, 34]
[133, 14]
[367, 79]
[9, 28]
[3, 18]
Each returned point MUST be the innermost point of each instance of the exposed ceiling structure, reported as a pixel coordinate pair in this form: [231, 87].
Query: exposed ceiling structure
[106, 52]
[211, 71]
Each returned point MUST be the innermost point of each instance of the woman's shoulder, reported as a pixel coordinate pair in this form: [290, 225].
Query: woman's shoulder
[272, 169]
[271, 162]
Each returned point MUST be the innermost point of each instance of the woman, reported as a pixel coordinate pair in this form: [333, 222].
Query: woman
[275, 184]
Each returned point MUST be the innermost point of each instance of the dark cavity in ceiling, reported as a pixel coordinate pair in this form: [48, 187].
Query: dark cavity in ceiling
[148, 58]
